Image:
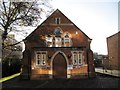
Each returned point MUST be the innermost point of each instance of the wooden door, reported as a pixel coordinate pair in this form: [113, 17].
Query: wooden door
[59, 67]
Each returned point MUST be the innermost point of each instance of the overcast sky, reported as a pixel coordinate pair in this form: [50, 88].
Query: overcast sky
[97, 18]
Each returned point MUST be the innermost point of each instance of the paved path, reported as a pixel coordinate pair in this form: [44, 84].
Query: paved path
[98, 82]
[108, 72]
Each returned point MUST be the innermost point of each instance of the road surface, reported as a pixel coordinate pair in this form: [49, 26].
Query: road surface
[100, 81]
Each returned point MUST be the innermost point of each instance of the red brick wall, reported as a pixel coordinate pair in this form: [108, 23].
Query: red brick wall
[35, 41]
[113, 44]
[49, 26]
[81, 70]
[91, 69]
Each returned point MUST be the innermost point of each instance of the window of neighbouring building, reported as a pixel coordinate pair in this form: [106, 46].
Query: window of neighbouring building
[41, 57]
[77, 58]
[57, 20]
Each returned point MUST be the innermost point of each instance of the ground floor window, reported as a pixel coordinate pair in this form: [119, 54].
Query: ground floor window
[41, 57]
[77, 57]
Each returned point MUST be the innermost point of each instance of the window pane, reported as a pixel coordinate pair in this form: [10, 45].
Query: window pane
[49, 44]
[43, 63]
[66, 35]
[75, 59]
[38, 56]
[38, 62]
[57, 20]
[58, 42]
[49, 41]
[41, 58]
[80, 58]
[67, 44]
[79, 61]
[66, 40]
[44, 56]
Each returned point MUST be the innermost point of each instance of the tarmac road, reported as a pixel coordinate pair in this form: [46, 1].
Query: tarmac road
[101, 81]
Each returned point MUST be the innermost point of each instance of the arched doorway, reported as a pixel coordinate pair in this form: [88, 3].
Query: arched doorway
[59, 66]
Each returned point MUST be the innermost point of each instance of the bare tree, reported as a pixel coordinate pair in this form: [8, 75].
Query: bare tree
[13, 14]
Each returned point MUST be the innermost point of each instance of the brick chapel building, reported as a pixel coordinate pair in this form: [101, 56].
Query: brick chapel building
[57, 49]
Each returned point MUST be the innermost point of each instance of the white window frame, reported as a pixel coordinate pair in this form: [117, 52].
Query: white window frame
[57, 20]
[56, 41]
[79, 57]
[65, 42]
[69, 39]
[49, 41]
[41, 58]
[74, 59]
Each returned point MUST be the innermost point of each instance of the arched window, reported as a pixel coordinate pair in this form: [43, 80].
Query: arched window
[58, 31]
[58, 40]
[67, 40]
[49, 41]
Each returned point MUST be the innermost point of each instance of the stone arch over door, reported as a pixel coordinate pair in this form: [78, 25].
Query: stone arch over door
[59, 65]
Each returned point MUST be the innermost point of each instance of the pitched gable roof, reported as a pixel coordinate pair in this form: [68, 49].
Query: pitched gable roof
[57, 10]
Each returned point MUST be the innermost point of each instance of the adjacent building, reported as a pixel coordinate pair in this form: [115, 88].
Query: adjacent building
[13, 51]
[57, 49]
[113, 44]
[99, 59]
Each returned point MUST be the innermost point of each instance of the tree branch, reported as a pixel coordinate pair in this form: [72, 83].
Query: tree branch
[4, 7]
[1, 24]
[13, 44]
[7, 55]
[9, 10]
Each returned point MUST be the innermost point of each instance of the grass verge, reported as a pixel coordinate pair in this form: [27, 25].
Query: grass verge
[9, 77]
